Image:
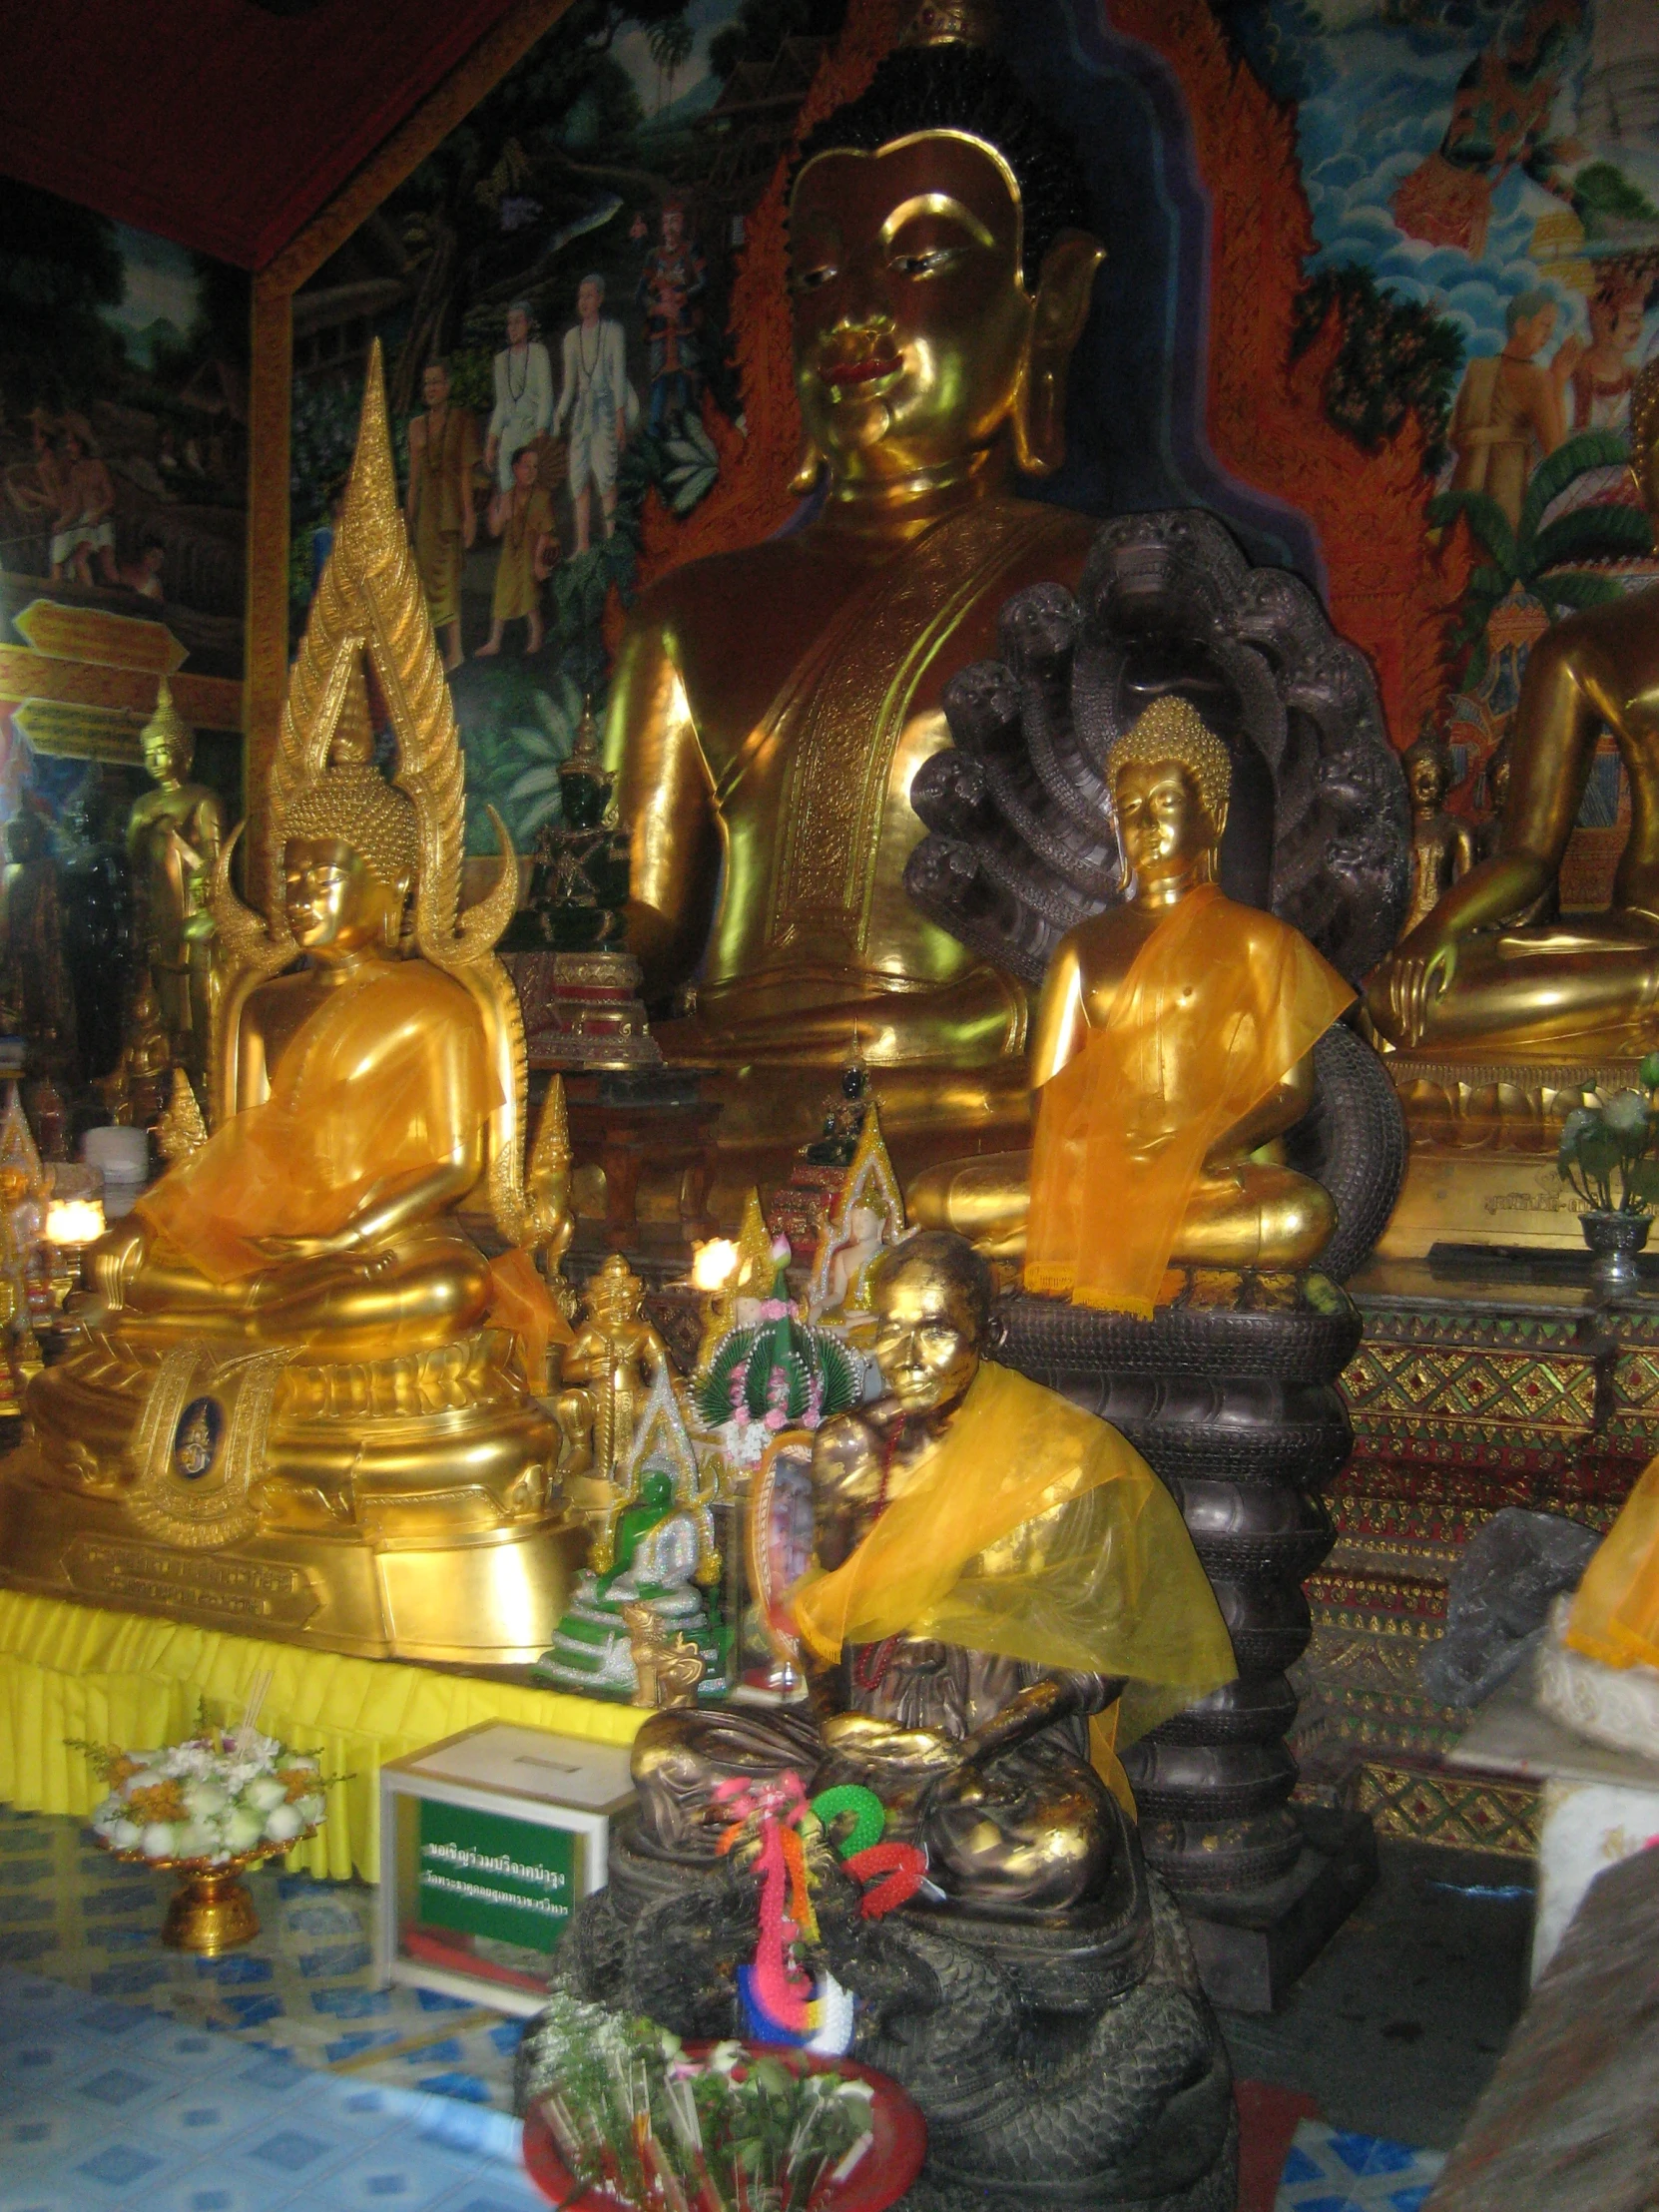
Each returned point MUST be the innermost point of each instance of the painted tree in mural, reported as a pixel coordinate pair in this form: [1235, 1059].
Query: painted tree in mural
[1553, 558]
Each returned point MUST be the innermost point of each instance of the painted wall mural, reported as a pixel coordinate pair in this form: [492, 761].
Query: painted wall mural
[122, 509]
[1380, 274]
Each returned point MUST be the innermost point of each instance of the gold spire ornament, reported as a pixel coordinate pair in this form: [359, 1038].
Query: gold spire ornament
[301, 1400]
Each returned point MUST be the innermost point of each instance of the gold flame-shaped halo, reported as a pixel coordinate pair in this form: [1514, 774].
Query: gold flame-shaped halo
[370, 605]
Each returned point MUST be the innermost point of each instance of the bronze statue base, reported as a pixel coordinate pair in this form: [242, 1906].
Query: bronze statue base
[403, 1508]
[1238, 1412]
[1077, 2049]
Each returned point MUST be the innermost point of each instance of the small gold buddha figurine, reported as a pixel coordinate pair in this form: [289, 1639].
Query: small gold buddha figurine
[299, 1401]
[772, 704]
[173, 840]
[136, 1089]
[1442, 848]
[607, 1375]
[1478, 977]
[968, 1516]
[1173, 1040]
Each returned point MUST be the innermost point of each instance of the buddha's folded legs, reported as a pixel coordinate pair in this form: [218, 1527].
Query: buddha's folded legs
[1250, 1213]
[412, 1293]
[1582, 988]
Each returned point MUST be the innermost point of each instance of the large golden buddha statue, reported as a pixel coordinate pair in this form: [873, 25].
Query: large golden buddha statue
[300, 1399]
[1173, 1041]
[1478, 976]
[771, 706]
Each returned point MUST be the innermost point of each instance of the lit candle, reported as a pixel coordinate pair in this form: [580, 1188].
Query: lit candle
[714, 1263]
[73, 1221]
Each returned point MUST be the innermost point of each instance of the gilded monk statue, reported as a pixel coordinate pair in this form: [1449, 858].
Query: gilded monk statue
[771, 705]
[296, 1370]
[1478, 976]
[992, 1567]
[1173, 1039]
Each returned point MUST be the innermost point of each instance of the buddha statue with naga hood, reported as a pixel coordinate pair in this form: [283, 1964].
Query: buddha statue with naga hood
[299, 1397]
[771, 706]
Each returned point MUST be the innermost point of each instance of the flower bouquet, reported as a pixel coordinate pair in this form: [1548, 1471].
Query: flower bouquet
[635, 2118]
[206, 1810]
[1606, 1154]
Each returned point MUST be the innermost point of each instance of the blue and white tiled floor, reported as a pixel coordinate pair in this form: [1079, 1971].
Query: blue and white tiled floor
[1330, 2171]
[109, 2107]
[304, 1984]
[136, 2079]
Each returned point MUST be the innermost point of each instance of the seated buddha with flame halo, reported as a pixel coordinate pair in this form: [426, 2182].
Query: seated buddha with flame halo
[292, 1364]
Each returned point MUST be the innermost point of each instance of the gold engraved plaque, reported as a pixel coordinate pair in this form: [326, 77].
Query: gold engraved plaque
[198, 1445]
[247, 1592]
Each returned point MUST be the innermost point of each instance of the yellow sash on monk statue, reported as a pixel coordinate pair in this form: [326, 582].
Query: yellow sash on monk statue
[1615, 1616]
[1110, 1585]
[1218, 1006]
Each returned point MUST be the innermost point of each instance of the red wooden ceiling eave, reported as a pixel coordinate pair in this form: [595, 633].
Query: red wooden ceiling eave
[91, 158]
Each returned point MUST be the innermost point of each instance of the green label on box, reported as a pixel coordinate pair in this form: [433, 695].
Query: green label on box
[488, 1875]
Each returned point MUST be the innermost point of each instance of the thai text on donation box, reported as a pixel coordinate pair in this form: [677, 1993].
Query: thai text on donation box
[488, 1839]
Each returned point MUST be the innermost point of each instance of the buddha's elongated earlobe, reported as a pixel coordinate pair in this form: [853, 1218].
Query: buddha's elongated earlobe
[1059, 311]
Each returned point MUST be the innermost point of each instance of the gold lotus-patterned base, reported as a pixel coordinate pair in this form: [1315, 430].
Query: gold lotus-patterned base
[1481, 1167]
[398, 1508]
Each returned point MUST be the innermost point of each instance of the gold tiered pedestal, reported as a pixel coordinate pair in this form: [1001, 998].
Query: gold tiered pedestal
[381, 1509]
[1483, 1136]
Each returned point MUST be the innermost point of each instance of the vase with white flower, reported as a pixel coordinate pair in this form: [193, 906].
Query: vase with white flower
[1607, 1155]
[206, 1810]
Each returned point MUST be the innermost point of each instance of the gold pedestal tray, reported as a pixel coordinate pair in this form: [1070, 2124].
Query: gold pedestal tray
[211, 1911]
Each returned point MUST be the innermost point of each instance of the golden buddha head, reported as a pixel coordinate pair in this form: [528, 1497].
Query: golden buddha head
[932, 1296]
[941, 271]
[166, 740]
[1644, 436]
[351, 848]
[1170, 779]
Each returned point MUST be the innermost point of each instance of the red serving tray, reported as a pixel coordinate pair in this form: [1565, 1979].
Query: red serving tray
[881, 2177]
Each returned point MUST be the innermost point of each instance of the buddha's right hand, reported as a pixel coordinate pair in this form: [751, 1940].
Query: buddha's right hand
[1402, 991]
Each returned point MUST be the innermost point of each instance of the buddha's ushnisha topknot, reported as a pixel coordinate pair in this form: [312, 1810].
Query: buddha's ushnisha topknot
[1172, 729]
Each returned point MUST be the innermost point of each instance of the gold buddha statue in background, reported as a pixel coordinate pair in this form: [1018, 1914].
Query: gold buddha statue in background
[1476, 980]
[173, 838]
[771, 706]
[1173, 1041]
[299, 1397]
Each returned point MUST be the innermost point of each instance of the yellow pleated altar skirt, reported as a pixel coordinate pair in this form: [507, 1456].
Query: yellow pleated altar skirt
[83, 1672]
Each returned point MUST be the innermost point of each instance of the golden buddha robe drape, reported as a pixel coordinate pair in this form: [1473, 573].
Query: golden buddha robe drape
[1218, 1006]
[1111, 1585]
[1615, 1616]
[300, 1163]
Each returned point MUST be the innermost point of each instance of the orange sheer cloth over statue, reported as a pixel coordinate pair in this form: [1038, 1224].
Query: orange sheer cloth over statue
[1111, 1585]
[301, 1162]
[1218, 1006]
[1615, 1616]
